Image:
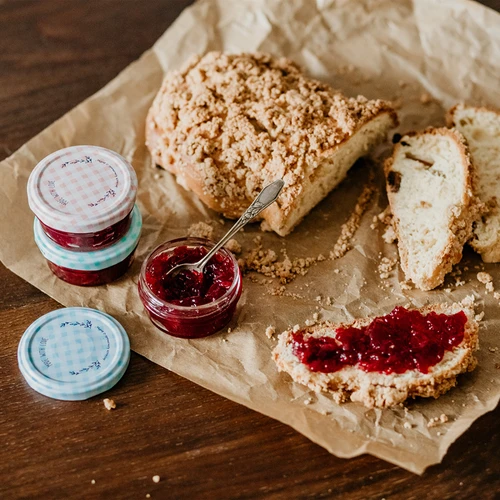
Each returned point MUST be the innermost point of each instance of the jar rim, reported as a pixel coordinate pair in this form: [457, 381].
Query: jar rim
[194, 241]
[93, 260]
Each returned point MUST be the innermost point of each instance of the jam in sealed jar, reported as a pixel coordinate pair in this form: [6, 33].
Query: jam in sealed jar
[96, 267]
[83, 197]
[190, 304]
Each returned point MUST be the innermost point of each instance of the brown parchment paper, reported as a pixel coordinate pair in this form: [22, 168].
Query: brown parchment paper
[449, 49]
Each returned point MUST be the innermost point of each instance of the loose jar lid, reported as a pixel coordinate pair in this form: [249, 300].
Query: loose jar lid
[82, 189]
[94, 260]
[73, 353]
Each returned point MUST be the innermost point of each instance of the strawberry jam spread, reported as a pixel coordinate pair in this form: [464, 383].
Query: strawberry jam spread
[401, 341]
[189, 288]
[190, 304]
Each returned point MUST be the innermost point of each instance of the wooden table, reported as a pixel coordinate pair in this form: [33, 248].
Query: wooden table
[53, 54]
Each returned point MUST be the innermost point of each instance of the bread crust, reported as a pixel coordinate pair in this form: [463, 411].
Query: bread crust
[489, 250]
[461, 221]
[227, 125]
[377, 389]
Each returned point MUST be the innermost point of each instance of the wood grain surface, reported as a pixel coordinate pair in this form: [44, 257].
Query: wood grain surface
[54, 54]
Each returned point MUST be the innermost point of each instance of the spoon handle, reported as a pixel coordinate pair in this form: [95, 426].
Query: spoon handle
[265, 198]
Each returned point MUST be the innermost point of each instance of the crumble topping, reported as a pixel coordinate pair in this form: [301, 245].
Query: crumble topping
[243, 120]
[233, 246]
[201, 230]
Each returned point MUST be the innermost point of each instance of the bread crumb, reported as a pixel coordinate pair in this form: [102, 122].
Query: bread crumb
[349, 228]
[156, 479]
[156, 177]
[487, 280]
[405, 285]
[295, 328]
[201, 230]
[443, 418]
[109, 404]
[270, 331]
[493, 349]
[425, 98]
[329, 301]
[479, 317]
[435, 421]
[385, 267]
[233, 246]
[407, 425]
[93, 481]
[389, 235]
[148, 495]
[318, 298]
[308, 401]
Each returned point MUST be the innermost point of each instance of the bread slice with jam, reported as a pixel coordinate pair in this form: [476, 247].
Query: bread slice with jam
[381, 362]
[430, 187]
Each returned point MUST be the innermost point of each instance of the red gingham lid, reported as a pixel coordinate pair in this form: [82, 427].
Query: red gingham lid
[82, 189]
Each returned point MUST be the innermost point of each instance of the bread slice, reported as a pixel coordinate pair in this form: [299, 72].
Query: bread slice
[430, 182]
[481, 128]
[375, 389]
[227, 125]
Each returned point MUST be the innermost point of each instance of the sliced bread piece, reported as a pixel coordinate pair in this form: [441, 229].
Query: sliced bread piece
[430, 182]
[481, 128]
[375, 388]
[228, 124]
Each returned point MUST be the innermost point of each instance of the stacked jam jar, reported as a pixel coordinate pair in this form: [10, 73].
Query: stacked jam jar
[87, 225]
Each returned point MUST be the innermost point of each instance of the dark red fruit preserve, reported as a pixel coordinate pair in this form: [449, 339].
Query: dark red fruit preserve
[190, 304]
[86, 242]
[401, 341]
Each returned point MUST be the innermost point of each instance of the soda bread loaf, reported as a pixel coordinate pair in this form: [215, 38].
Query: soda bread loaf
[481, 128]
[430, 186]
[376, 389]
[227, 125]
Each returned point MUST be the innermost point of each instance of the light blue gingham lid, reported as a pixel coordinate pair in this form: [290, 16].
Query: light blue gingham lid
[94, 260]
[73, 353]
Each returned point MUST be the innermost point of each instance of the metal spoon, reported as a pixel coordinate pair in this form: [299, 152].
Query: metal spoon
[265, 198]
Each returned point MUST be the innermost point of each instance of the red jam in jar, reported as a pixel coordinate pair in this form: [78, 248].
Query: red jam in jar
[190, 304]
[401, 341]
[83, 197]
[97, 267]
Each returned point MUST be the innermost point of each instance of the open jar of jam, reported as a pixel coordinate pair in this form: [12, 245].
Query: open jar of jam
[83, 197]
[96, 267]
[190, 304]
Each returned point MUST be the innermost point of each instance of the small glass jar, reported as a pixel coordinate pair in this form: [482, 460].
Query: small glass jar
[197, 320]
[83, 197]
[96, 267]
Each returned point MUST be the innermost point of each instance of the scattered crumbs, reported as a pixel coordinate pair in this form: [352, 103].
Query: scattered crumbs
[109, 404]
[318, 298]
[425, 98]
[221, 222]
[156, 177]
[336, 271]
[315, 316]
[329, 301]
[320, 257]
[270, 331]
[349, 228]
[325, 412]
[439, 433]
[93, 481]
[487, 280]
[460, 483]
[479, 317]
[156, 479]
[295, 328]
[447, 290]
[385, 267]
[148, 495]
[435, 421]
[233, 246]
[229, 330]
[389, 235]
[407, 425]
[405, 285]
[201, 230]
[493, 349]
[459, 282]
[308, 401]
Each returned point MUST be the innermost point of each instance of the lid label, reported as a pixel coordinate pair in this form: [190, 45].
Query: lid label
[42, 352]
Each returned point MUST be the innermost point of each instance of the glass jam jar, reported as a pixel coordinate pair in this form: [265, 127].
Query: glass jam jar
[190, 305]
[83, 197]
[96, 267]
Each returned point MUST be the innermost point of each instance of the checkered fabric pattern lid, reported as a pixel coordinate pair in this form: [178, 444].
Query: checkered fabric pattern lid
[82, 189]
[95, 260]
[73, 353]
